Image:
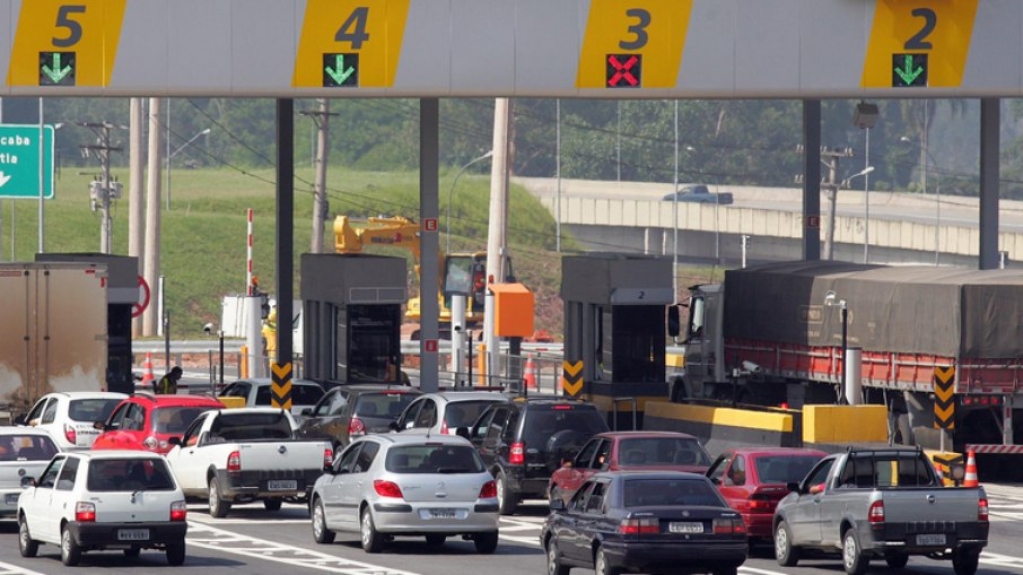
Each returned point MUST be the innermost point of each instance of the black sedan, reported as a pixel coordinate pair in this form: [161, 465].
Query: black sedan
[667, 522]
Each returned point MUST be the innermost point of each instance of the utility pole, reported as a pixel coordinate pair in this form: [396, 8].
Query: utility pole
[136, 198]
[103, 189]
[322, 120]
[151, 320]
[496, 235]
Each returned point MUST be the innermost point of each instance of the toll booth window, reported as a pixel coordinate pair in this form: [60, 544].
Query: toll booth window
[372, 343]
[458, 276]
[638, 352]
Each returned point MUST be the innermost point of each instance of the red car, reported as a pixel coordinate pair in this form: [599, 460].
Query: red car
[752, 480]
[629, 450]
[146, 421]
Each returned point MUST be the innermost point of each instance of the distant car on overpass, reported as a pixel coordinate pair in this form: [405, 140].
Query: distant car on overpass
[699, 194]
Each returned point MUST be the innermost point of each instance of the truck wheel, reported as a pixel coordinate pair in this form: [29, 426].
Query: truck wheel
[26, 545]
[218, 506]
[176, 553]
[70, 552]
[896, 560]
[321, 534]
[853, 558]
[786, 554]
[964, 561]
[272, 504]
[506, 501]
[372, 540]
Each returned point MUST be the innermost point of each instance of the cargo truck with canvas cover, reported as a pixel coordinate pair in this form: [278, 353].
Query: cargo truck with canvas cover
[769, 335]
[54, 336]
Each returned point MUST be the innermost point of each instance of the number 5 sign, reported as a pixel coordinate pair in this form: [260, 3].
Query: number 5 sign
[143, 302]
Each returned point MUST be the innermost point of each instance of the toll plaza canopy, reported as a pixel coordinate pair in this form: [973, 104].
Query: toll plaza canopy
[949, 312]
[533, 48]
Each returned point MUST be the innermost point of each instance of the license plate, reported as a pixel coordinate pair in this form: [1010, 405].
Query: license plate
[11, 499]
[931, 539]
[439, 514]
[679, 527]
[282, 485]
[133, 535]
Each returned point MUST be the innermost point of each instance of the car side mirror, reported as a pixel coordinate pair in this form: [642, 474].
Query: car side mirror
[100, 425]
[174, 440]
[28, 481]
[557, 504]
[792, 486]
[307, 411]
[462, 432]
[20, 420]
[393, 426]
[715, 480]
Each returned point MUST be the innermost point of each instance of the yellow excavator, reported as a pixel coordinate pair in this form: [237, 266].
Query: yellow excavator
[463, 272]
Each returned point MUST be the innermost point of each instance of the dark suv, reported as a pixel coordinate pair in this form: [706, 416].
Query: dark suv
[525, 440]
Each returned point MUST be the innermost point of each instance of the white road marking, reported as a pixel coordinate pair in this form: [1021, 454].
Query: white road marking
[8, 569]
[989, 558]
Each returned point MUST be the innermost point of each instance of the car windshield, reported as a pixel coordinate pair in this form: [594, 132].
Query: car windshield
[26, 448]
[784, 469]
[463, 413]
[544, 421]
[95, 409]
[661, 492]
[385, 405]
[174, 420]
[433, 458]
[662, 451]
[150, 474]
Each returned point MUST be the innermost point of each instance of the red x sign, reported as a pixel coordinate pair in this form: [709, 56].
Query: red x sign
[623, 70]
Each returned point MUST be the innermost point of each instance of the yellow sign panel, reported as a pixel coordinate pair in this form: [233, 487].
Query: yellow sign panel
[66, 43]
[354, 44]
[904, 29]
[633, 44]
[572, 377]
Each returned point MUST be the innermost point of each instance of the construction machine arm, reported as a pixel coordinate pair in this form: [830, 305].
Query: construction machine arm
[397, 231]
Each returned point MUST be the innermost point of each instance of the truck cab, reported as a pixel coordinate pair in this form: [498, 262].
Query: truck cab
[704, 346]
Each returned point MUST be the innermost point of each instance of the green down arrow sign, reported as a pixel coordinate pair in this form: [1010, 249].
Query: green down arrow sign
[909, 70]
[340, 70]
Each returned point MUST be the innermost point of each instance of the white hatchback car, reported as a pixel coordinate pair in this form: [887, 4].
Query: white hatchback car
[386, 485]
[24, 452]
[102, 500]
[446, 411]
[70, 416]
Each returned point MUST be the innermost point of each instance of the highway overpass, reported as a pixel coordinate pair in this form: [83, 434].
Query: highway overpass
[904, 228]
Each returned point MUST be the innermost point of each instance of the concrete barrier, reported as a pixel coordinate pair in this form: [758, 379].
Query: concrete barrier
[720, 428]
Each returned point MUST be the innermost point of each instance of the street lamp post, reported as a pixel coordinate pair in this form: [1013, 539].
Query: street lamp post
[175, 153]
[927, 157]
[830, 300]
[447, 217]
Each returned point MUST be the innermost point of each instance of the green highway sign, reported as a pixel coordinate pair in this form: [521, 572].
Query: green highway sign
[19, 161]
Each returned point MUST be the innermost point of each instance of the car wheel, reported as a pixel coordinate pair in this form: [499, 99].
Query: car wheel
[218, 506]
[785, 553]
[896, 560]
[26, 545]
[554, 565]
[272, 504]
[506, 500]
[320, 532]
[964, 561]
[133, 551]
[853, 558]
[372, 540]
[436, 539]
[601, 565]
[486, 543]
[70, 552]
[176, 553]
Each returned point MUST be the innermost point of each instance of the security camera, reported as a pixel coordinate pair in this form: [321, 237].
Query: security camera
[208, 328]
[750, 367]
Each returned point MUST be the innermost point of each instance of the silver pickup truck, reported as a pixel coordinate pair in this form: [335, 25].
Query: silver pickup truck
[883, 503]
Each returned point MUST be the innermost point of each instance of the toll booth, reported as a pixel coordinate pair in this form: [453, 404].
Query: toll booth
[352, 314]
[122, 296]
[615, 311]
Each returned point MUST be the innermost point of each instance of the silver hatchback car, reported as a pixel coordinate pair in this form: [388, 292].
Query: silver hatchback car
[383, 486]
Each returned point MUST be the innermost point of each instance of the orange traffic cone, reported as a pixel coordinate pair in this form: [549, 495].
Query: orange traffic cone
[971, 471]
[530, 374]
[147, 376]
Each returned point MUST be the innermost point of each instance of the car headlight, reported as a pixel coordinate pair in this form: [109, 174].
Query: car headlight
[150, 443]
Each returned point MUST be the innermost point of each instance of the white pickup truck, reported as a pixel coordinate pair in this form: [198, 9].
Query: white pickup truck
[242, 455]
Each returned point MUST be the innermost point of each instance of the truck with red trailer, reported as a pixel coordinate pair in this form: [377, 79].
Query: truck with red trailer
[779, 335]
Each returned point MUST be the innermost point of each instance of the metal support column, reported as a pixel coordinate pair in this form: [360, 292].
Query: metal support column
[990, 115]
[811, 180]
[285, 242]
[429, 275]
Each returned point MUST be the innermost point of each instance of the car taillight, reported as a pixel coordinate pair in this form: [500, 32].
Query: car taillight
[70, 434]
[444, 427]
[876, 513]
[644, 526]
[355, 427]
[328, 457]
[489, 490]
[729, 526]
[151, 443]
[982, 509]
[387, 488]
[234, 462]
[178, 511]
[85, 512]
[760, 503]
[517, 455]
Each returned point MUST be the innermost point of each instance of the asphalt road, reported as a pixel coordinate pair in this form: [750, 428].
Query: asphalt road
[252, 541]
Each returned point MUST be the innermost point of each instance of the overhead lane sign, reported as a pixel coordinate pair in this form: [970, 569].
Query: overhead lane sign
[66, 43]
[633, 44]
[919, 43]
[350, 44]
[19, 161]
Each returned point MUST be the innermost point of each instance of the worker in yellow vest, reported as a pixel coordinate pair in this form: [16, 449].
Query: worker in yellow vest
[270, 337]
